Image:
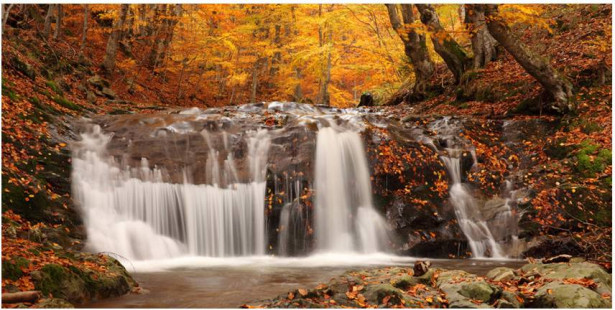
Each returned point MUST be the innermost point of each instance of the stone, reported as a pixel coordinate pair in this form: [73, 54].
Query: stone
[54, 303]
[493, 207]
[559, 295]
[23, 67]
[375, 293]
[91, 97]
[501, 274]
[478, 290]
[560, 271]
[511, 299]
[109, 93]
[421, 267]
[98, 82]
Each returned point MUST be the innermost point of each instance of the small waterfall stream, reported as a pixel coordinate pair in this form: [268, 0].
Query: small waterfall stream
[346, 220]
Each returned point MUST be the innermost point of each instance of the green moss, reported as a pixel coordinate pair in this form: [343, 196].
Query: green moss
[11, 269]
[66, 103]
[50, 281]
[54, 87]
[588, 162]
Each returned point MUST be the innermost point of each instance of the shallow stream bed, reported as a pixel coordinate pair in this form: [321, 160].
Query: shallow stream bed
[232, 286]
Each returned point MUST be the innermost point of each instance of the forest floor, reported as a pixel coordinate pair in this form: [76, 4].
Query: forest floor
[45, 84]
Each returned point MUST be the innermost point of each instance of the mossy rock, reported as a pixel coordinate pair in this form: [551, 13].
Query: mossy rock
[24, 68]
[54, 303]
[560, 295]
[60, 282]
[11, 269]
[479, 290]
[376, 293]
[583, 270]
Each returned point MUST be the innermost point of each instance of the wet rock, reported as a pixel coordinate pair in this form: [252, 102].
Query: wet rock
[493, 207]
[559, 295]
[553, 247]
[501, 274]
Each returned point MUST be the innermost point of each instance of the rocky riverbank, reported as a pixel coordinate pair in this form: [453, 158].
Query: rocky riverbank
[573, 284]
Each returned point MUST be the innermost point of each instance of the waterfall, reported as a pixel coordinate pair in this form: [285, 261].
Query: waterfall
[138, 215]
[475, 228]
[345, 217]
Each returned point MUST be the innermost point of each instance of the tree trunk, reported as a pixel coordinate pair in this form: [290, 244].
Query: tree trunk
[254, 81]
[48, 17]
[557, 86]
[59, 15]
[483, 44]
[324, 94]
[108, 64]
[298, 95]
[451, 52]
[5, 16]
[164, 37]
[415, 47]
[86, 12]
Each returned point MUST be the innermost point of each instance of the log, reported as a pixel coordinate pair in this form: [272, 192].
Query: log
[28, 296]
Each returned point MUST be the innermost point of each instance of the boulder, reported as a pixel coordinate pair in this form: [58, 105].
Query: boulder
[584, 270]
[560, 295]
[54, 303]
[98, 82]
[501, 274]
[509, 299]
[376, 293]
[23, 67]
[461, 287]
[109, 93]
[479, 290]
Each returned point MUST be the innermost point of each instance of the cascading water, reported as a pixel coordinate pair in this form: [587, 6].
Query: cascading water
[140, 216]
[345, 218]
[196, 183]
[468, 211]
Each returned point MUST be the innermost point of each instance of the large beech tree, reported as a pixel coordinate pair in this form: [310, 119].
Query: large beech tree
[415, 46]
[451, 52]
[555, 84]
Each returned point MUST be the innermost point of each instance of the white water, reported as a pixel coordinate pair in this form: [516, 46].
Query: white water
[480, 231]
[468, 214]
[345, 217]
[140, 217]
